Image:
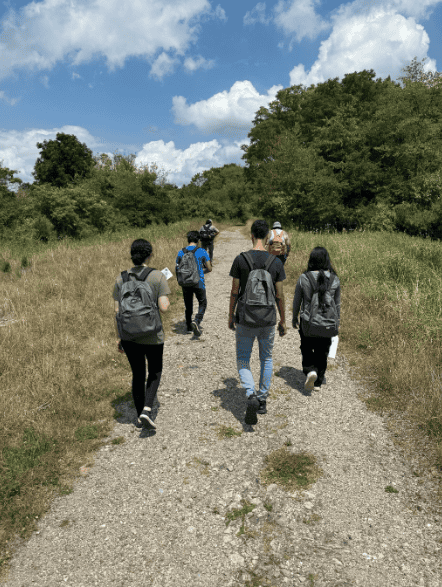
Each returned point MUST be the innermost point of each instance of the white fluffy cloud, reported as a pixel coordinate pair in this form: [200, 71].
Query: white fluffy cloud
[182, 164]
[42, 33]
[227, 113]
[379, 39]
[257, 14]
[192, 65]
[5, 98]
[298, 18]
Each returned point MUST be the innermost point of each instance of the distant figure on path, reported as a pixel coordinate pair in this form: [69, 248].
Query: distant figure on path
[278, 242]
[256, 286]
[319, 277]
[208, 233]
[149, 344]
[192, 286]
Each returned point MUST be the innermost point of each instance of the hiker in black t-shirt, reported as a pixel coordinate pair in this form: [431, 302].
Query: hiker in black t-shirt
[264, 332]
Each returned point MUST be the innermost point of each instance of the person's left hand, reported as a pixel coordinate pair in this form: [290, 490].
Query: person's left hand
[232, 325]
[120, 347]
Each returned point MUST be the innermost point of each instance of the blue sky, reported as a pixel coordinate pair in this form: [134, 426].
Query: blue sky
[178, 82]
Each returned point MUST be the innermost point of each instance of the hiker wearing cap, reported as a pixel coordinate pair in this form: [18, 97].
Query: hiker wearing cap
[278, 242]
[257, 290]
[208, 233]
[140, 294]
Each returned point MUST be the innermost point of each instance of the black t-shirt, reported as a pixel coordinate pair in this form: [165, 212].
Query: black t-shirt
[240, 268]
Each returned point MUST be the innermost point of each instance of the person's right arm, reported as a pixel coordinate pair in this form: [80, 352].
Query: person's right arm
[208, 266]
[297, 304]
[280, 303]
[288, 244]
[163, 304]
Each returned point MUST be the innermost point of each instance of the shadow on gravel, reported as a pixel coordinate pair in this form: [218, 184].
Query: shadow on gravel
[125, 412]
[293, 377]
[180, 327]
[233, 399]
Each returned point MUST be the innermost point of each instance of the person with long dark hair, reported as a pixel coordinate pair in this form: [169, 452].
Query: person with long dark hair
[150, 346]
[315, 349]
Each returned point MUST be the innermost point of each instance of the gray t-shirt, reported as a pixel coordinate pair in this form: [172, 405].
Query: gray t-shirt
[158, 283]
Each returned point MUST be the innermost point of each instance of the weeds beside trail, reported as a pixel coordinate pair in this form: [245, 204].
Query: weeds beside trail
[60, 373]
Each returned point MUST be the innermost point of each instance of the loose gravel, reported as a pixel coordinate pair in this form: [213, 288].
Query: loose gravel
[151, 511]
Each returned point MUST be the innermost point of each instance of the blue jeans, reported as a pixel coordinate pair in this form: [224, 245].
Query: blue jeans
[245, 337]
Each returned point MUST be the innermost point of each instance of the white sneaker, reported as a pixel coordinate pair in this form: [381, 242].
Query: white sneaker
[310, 381]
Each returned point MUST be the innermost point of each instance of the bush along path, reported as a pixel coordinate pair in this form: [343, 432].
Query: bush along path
[315, 494]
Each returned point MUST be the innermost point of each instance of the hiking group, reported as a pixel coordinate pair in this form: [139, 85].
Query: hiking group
[141, 295]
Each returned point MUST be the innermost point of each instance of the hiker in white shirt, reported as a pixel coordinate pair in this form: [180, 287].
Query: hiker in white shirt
[278, 242]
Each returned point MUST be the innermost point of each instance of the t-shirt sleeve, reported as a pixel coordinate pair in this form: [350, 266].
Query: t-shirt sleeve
[163, 286]
[235, 271]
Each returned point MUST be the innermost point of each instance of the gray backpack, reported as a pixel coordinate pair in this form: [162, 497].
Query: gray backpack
[316, 320]
[256, 306]
[187, 271]
[138, 312]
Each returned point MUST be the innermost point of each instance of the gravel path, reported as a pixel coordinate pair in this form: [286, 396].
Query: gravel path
[145, 512]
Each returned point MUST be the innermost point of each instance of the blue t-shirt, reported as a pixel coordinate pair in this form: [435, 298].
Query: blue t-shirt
[200, 255]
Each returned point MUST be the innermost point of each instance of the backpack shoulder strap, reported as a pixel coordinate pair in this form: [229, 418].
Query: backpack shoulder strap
[145, 273]
[248, 257]
[125, 276]
[195, 250]
[311, 280]
[269, 261]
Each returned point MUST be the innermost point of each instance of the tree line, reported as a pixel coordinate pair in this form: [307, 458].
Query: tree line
[356, 153]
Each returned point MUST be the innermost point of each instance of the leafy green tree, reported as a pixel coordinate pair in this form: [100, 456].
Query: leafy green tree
[63, 161]
[414, 72]
[75, 211]
[10, 205]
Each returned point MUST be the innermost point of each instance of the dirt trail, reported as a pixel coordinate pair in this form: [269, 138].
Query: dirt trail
[151, 511]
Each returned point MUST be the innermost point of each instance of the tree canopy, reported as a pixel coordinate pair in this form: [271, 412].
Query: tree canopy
[63, 161]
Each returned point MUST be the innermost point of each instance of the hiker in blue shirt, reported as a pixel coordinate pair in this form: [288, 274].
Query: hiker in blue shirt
[204, 265]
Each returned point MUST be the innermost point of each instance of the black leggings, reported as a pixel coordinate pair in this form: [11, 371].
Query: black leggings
[314, 355]
[144, 392]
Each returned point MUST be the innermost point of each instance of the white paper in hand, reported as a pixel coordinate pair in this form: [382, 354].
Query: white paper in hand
[167, 274]
[333, 347]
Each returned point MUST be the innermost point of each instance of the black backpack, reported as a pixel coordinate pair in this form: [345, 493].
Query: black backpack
[206, 233]
[138, 312]
[316, 320]
[187, 271]
[256, 306]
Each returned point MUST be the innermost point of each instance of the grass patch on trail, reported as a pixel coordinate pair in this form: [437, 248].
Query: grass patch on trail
[291, 471]
[59, 326]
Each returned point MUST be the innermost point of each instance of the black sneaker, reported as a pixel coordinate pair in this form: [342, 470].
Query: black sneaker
[262, 407]
[196, 328]
[252, 408]
[146, 418]
[138, 424]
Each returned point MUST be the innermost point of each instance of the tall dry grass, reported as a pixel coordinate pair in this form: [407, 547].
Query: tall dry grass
[59, 369]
